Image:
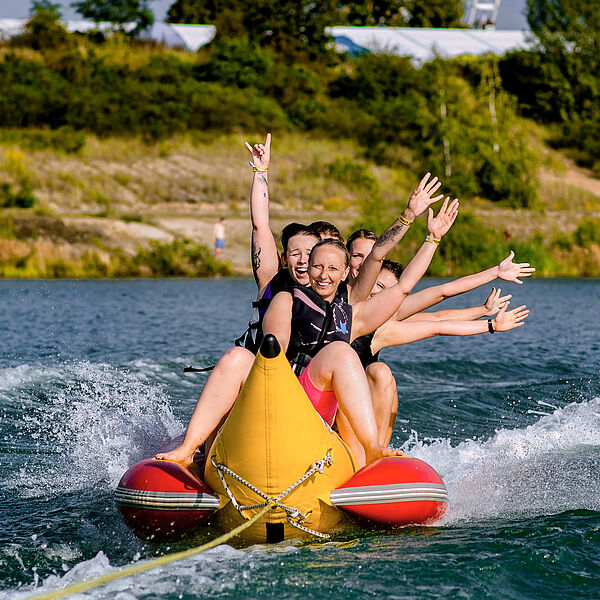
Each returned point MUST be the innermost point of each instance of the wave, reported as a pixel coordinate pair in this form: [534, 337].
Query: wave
[546, 468]
[81, 426]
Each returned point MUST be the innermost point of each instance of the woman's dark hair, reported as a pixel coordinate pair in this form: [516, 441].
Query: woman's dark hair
[367, 234]
[331, 242]
[327, 229]
[292, 229]
[393, 267]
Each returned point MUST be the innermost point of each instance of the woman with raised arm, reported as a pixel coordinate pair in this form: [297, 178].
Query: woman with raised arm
[453, 322]
[297, 318]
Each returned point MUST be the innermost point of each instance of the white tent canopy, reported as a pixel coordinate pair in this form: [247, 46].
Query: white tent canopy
[190, 37]
[423, 44]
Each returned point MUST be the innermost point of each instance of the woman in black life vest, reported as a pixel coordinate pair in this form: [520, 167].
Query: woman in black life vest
[336, 367]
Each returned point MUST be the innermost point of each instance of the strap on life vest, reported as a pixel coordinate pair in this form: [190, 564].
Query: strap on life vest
[299, 360]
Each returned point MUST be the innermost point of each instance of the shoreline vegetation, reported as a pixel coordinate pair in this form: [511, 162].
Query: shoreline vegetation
[118, 156]
[124, 207]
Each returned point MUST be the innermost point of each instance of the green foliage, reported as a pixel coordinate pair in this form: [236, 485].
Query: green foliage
[435, 13]
[390, 13]
[22, 198]
[292, 27]
[587, 232]
[352, 174]
[560, 81]
[117, 12]
[44, 30]
[65, 139]
[180, 258]
[237, 62]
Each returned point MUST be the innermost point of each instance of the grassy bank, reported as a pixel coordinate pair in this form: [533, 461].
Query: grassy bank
[125, 207]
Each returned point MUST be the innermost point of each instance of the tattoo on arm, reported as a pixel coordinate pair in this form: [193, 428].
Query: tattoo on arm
[256, 250]
[388, 235]
[263, 179]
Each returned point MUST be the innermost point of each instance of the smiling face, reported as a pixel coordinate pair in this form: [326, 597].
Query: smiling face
[360, 249]
[385, 279]
[327, 270]
[296, 257]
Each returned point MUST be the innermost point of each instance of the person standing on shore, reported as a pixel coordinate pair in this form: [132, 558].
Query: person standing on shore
[218, 237]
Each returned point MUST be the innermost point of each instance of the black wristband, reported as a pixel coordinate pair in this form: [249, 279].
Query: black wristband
[490, 326]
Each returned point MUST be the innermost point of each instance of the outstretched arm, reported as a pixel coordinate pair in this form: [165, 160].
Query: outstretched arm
[492, 305]
[376, 310]
[395, 333]
[265, 259]
[421, 198]
[507, 270]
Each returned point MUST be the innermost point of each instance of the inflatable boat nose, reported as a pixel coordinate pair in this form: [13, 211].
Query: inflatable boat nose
[270, 347]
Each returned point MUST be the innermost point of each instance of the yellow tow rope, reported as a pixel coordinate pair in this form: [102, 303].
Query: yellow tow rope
[163, 560]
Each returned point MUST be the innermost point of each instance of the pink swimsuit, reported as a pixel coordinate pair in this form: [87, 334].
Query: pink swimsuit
[325, 402]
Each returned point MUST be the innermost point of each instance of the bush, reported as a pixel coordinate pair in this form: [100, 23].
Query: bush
[180, 258]
[23, 198]
[587, 232]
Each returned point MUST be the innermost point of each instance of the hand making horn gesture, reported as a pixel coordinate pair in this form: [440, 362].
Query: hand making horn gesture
[261, 153]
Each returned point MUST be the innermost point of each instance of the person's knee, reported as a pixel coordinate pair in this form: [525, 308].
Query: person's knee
[380, 375]
[236, 358]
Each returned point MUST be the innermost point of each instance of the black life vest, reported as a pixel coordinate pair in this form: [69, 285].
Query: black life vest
[253, 336]
[362, 345]
[315, 323]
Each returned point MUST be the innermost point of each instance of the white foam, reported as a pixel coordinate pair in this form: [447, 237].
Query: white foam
[545, 468]
[218, 569]
[96, 423]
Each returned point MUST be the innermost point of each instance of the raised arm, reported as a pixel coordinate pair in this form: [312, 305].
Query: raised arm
[491, 306]
[396, 333]
[376, 310]
[265, 259]
[278, 318]
[420, 199]
[507, 270]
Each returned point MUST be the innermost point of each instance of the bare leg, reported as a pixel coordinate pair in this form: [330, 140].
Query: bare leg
[337, 367]
[385, 403]
[385, 399]
[218, 396]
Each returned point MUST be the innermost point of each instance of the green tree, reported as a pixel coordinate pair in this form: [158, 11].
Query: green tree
[44, 29]
[391, 13]
[568, 32]
[118, 12]
[435, 13]
[290, 26]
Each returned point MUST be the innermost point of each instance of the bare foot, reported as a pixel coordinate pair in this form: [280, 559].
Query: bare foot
[373, 454]
[179, 455]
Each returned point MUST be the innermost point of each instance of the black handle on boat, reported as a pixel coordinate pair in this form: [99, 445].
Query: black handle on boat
[191, 369]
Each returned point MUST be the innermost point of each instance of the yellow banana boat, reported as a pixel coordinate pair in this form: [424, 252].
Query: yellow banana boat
[275, 448]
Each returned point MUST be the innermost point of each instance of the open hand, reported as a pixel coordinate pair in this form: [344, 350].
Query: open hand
[261, 153]
[421, 198]
[440, 224]
[510, 271]
[495, 302]
[506, 320]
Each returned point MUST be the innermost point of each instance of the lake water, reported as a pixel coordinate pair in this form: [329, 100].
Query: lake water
[91, 382]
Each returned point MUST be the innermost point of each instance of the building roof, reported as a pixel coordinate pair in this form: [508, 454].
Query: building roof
[190, 37]
[424, 44]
